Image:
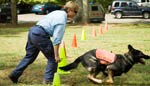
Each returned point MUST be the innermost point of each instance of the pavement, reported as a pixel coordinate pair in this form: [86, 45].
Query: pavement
[132, 19]
[23, 18]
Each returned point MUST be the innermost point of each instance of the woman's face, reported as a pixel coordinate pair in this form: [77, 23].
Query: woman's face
[72, 13]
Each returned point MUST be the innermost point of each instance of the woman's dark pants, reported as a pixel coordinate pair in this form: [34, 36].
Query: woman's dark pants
[38, 40]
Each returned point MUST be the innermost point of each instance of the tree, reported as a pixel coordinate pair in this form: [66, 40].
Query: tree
[14, 12]
[78, 18]
[83, 11]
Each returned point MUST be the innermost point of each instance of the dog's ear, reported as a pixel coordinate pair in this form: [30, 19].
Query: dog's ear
[130, 47]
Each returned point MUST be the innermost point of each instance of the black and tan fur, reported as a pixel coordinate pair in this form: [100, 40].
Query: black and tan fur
[122, 64]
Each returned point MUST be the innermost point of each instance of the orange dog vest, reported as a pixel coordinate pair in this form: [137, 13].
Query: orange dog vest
[105, 56]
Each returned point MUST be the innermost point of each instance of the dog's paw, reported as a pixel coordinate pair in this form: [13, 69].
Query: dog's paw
[109, 81]
[94, 80]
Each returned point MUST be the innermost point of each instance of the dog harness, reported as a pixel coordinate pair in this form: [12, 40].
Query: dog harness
[105, 57]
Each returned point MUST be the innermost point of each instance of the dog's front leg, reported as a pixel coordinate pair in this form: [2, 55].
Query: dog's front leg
[110, 76]
[104, 75]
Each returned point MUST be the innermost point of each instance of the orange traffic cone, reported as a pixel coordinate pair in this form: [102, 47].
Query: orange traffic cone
[100, 30]
[74, 41]
[94, 32]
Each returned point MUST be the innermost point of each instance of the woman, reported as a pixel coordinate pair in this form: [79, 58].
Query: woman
[52, 25]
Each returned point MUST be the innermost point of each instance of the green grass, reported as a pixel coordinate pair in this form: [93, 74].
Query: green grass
[116, 39]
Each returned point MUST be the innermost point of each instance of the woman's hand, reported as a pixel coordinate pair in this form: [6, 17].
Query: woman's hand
[57, 59]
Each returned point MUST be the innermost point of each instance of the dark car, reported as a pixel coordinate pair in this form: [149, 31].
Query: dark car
[23, 8]
[122, 8]
[5, 12]
[44, 8]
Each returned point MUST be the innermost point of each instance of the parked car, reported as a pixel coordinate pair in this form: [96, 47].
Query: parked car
[23, 8]
[122, 8]
[5, 10]
[96, 13]
[44, 8]
[145, 3]
[5, 13]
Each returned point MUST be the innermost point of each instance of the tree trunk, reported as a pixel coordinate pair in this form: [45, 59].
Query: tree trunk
[85, 11]
[14, 12]
[78, 18]
[82, 16]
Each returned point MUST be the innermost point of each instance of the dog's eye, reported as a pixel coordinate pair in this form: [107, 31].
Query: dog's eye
[138, 52]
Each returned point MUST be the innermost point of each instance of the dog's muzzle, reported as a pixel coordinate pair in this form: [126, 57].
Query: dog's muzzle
[142, 61]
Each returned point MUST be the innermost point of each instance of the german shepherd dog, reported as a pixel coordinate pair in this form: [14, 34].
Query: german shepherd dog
[122, 64]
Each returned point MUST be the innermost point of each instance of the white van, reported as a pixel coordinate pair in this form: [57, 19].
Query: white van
[145, 3]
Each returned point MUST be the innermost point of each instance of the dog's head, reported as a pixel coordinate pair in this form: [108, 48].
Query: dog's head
[137, 55]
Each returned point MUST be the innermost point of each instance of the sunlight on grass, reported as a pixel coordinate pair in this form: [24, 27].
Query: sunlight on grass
[116, 39]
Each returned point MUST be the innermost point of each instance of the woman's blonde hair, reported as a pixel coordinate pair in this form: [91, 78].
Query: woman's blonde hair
[71, 5]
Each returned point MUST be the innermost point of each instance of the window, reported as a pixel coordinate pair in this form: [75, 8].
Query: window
[143, 1]
[124, 4]
[116, 4]
[134, 4]
[94, 8]
[130, 4]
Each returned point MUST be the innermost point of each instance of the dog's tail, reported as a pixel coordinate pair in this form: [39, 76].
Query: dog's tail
[72, 65]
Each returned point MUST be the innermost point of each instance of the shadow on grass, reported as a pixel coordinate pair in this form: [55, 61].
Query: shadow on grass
[32, 76]
[8, 29]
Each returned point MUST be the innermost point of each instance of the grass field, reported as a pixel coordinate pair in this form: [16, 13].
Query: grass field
[116, 39]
